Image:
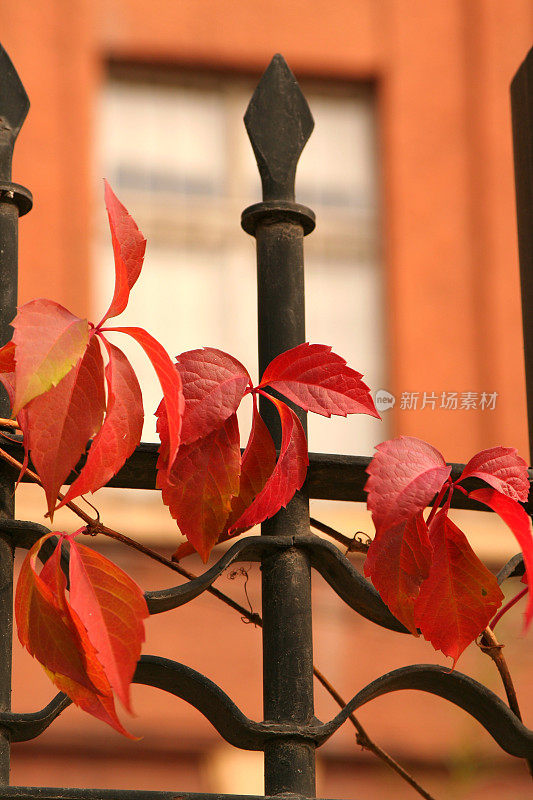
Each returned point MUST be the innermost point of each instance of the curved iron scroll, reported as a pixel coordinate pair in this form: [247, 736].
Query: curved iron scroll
[514, 568]
[238, 730]
[325, 557]
[474, 698]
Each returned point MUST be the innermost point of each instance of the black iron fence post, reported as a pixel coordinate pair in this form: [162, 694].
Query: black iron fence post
[279, 123]
[522, 115]
[14, 201]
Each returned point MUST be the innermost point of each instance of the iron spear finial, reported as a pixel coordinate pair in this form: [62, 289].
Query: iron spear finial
[279, 123]
[14, 106]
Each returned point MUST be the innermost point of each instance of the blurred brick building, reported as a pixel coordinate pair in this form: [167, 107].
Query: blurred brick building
[411, 274]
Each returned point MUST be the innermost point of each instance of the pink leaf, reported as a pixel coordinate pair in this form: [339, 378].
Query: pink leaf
[519, 522]
[58, 424]
[318, 380]
[201, 483]
[128, 247]
[213, 386]
[170, 381]
[112, 608]
[503, 469]
[288, 475]
[49, 341]
[121, 432]
[398, 563]
[460, 595]
[404, 476]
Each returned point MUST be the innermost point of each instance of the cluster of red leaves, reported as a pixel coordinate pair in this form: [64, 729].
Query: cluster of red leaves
[54, 372]
[425, 570]
[89, 644]
[62, 395]
[211, 492]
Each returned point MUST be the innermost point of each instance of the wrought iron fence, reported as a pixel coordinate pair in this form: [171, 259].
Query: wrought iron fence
[279, 123]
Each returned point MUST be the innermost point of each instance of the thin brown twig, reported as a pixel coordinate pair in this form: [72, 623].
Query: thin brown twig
[352, 545]
[94, 526]
[491, 647]
[9, 423]
[366, 742]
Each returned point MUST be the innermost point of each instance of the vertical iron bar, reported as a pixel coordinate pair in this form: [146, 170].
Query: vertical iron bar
[279, 123]
[14, 201]
[522, 116]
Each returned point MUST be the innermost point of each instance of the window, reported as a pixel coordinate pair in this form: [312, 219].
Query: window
[175, 150]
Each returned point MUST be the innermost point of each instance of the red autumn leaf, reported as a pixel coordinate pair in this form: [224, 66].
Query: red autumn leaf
[201, 483]
[170, 381]
[503, 469]
[44, 628]
[258, 462]
[49, 341]
[98, 702]
[101, 706]
[404, 475]
[398, 563]
[288, 475]
[520, 523]
[128, 247]
[213, 386]
[112, 608]
[460, 595]
[7, 370]
[58, 424]
[121, 432]
[7, 359]
[318, 380]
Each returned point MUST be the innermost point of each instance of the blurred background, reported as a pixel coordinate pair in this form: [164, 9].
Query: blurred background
[411, 275]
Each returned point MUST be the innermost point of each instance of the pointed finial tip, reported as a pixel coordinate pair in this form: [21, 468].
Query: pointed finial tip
[279, 123]
[14, 102]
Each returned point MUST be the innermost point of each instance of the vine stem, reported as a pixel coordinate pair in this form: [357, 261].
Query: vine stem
[497, 617]
[94, 526]
[9, 423]
[364, 740]
[490, 645]
[352, 545]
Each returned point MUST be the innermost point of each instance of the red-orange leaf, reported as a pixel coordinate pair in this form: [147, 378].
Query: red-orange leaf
[460, 595]
[258, 462]
[49, 341]
[170, 381]
[58, 424]
[213, 386]
[398, 563]
[520, 523]
[318, 380]
[121, 432]
[112, 608]
[288, 475]
[98, 701]
[203, 479]
[128, 247]
[101, 706]
[44, 628]
[404, 476]
[503, 469]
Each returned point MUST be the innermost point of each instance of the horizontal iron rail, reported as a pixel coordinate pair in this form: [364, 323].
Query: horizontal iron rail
[199, 691]
[330, 477]
[46, 793]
